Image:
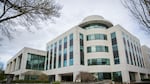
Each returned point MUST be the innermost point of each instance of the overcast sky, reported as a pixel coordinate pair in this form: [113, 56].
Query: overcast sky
[72, 13]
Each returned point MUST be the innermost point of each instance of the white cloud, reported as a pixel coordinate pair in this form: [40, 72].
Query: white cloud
[4, 58]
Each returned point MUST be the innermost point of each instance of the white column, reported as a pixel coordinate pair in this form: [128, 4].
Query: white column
[7, 68]
[146, 76]
[76, 48]
[24, 60]
[125, 76]
[75, 74]
[58, 77]
[138, 77]
[12, 66]
[46, 58]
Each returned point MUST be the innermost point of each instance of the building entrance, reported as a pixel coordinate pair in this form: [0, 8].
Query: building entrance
[67, 77]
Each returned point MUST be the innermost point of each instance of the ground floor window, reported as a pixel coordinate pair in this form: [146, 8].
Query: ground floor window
[67, 78]
[103, 76]
[31, 77]
[142, 76]
[132, 76]
[51, 78]
[117, 76]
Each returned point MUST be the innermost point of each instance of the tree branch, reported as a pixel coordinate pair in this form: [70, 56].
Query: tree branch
[12, 17]
[139, 12]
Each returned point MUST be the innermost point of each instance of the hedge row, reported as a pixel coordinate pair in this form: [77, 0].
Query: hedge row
[28, 81]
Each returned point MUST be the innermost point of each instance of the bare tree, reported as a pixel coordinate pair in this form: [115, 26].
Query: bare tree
[2, 75]
[140, 10]
[1, 66]
[25, 13]
[85, 77]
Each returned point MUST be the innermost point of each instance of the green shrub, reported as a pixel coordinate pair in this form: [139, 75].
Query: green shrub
[29, 81]
[56, 82]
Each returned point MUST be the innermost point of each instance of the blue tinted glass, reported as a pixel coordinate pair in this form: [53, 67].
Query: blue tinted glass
[71, 36]
[65, 39]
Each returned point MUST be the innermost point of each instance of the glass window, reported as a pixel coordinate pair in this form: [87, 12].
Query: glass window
[115, 48]
[35, 62]
[71, 36]
[92, 37]
[31, 77]
[95, 25]
[114, 41]
[81, 36]
[117, 76]
[71, 62]
[65, 39]
[113, 35]
[93, 49]
[65, 45]
[65, 51]
[55, 50]
[89, 49]
[65, 63]
[60, 41]
[99, 61]
[59, 61]
[106, 49]
[96, 37]
[51, 53]
[71, 39]
[71, 48]
[81, 49]
[104, 75]
[105, 37]
[97, 49]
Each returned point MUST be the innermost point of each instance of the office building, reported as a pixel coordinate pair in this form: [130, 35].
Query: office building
[25, 60]
[96, 46]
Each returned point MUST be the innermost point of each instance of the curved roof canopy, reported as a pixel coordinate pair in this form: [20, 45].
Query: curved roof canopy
[95, 19]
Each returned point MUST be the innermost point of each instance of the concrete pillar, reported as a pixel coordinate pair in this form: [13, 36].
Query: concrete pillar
[45, 63]
[17, 63]
[125, 76]
[7, 68]
[21, 77]
[12, 67]
[24, 60]
[58, 77]
[74, 77]
[138, 77]
[146, 76]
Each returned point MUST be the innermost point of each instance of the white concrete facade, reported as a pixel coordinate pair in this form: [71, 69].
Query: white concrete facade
[94, 46]
[135, 63]
[146, 56]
